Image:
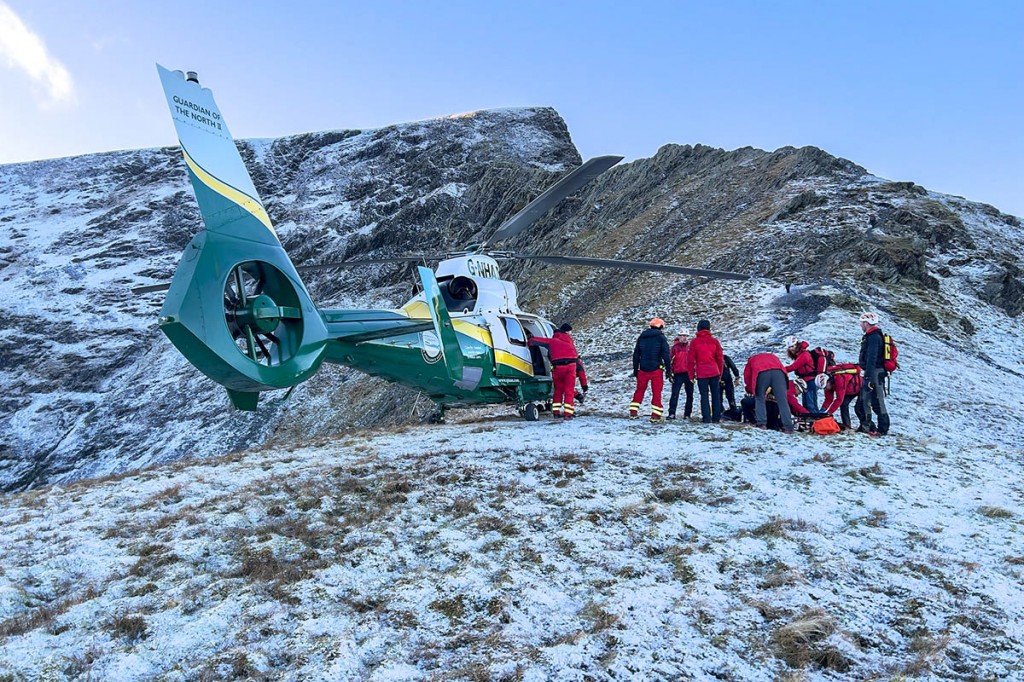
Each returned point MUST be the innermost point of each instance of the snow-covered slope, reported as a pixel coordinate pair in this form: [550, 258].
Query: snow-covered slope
[496, 549]
[90, 384]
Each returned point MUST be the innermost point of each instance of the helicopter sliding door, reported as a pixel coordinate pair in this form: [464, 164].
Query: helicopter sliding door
[511, 354]
[539, 356]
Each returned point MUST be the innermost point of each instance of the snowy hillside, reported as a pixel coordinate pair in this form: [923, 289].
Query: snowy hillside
[495, 549]
[90, 384]
[333, 536]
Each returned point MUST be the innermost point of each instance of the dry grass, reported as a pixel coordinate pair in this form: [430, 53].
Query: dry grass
[802, 642]
[871, 474]
[779, 527]
[131, 627]
[929, 650]
[44, 615]
[995, 512]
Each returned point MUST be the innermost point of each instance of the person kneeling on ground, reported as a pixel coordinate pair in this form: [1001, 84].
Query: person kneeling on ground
[841, 385]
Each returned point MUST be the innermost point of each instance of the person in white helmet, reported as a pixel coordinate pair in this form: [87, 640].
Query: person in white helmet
[872, 395]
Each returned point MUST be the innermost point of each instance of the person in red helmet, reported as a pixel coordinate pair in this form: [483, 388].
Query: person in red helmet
[565, 367]
[651, 361]
[681, 377]
[707, 362]
[765, 371]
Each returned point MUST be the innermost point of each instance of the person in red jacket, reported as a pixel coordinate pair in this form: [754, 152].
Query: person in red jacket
[565, 366]
[796, 388]
[680, 353]
[841, 384]
[764, 371]
[707, 362]
[804, 367]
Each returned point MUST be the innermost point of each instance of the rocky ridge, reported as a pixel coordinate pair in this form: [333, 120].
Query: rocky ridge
[93, 388]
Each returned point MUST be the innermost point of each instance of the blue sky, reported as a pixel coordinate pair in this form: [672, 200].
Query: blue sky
[926, 91]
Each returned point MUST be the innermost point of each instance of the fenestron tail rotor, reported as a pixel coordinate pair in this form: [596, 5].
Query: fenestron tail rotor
[261, 308]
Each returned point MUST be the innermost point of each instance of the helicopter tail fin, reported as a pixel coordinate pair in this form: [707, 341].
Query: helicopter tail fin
[463, 376]
[236, 308]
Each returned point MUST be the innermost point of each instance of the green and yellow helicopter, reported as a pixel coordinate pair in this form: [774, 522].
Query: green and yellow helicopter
[237, 309]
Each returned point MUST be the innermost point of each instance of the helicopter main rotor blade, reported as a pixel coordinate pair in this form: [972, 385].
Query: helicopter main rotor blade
[366, 261]
[635, 265]
[534, 210]
[150, 288]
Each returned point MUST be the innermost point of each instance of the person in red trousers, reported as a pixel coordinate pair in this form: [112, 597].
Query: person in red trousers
[651, 362]
[565, 366]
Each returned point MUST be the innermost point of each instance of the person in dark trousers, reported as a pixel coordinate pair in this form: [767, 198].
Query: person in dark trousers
[842, 385]
[729, 379]
[764, 371]
[681, 377]
[651, 362]
[707, 363]
[804, 367]
[872, 394]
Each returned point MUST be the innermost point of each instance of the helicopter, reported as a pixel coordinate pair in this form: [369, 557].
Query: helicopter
[237, 309]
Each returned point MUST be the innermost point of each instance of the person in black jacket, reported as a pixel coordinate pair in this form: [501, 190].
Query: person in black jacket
[728, 382]
[872, 395]
[651, 362]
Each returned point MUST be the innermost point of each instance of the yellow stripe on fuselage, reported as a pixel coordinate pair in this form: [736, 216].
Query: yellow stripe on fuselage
[230, 193]
[420, 309]
[509, 360]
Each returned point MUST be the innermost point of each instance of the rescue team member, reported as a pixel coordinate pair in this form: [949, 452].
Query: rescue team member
[565, 365]
[729, 381]
[803, 366]
[796, 388]
[651, 361]
[764, 371]
[707, 363]
[841, 384]
[681, 377]
[872, 349]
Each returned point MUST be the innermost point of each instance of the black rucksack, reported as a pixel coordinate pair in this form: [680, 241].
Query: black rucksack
[822, 358]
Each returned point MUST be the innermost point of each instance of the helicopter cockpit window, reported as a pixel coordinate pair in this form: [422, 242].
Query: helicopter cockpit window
[514, 330]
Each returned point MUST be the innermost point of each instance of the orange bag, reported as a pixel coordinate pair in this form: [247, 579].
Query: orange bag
[825, 426]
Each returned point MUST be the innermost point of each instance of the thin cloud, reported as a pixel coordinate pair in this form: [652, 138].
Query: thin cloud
[25, 51]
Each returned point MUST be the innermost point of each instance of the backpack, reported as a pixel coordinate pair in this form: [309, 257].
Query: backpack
[890, 354]
[825, 426]
[822, 358]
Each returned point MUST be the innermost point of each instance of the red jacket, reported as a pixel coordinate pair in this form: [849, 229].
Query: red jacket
[706, 357]
[844, 385]
[757, 364]
[560, 346]
[794, 403]
[562, 349]
[804, 364]
[680, 357]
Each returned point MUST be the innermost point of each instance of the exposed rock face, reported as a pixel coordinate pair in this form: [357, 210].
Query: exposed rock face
[91, 386]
